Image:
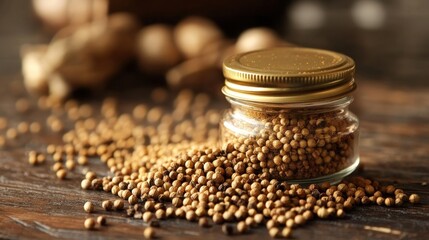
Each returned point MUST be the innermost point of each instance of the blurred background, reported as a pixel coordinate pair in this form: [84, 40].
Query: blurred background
[182, 45]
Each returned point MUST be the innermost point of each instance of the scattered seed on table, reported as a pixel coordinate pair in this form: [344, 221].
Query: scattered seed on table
[149, 233]
[286, 232]
[61, 173]
[107, 205]
[147, 217]
[88, 207]
[101, 220]
[204, 222]
[414, 198]
[242, 227]
[118, 205]
[274, 232]
[85, 184]
[227, 229]
[89, 223]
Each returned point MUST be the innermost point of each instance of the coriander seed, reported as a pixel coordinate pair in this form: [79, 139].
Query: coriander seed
[204, 222]
[414, 198]
[61, 174]
[147, 217]
[101, 220]
[89, 223]
[242, 227]
[85, 184]
[118, 205]
[149, 233]
[88, 207]
[286, 232]
[227, 229]
[274, 232]
[107, 205]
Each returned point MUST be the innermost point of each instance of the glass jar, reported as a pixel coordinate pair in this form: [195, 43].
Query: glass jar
[289, 115]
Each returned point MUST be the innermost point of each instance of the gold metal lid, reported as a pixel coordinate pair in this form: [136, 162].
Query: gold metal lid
[288, 75]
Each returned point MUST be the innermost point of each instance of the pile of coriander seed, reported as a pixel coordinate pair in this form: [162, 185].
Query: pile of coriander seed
[294, 145]
[162, 162]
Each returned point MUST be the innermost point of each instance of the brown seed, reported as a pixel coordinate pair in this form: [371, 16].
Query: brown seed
[154, 223]
[160, 213]
[227, 229]
[70, 164]
[32, 158]
[61, 173]
[2, 141]
[340, 213]
[82, 160]
[299, 220]
[3, 123]
[132, 199]
[147, 217]
[101, 220]
[390, 189]
[242, 227]
[398, 202]
[217, 218]
[90, 175]
[259, 218]
[389, 202]
[11, 133]
[118, 205]
[414, 198]
[287, 232]
[89, 223]
[322, 213]
[149, 233]
[204, 222]
[85, 184]
[274, 232]
[35, 127]
[22, 105]
[106, 204]
[380, 201]
[88, 207]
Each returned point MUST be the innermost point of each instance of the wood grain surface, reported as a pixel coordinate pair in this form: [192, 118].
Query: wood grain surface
[394, 149]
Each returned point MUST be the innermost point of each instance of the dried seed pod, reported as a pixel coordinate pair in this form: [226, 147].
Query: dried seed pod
[156, 49]
[193, 34]
[257, 38]
[33, 70]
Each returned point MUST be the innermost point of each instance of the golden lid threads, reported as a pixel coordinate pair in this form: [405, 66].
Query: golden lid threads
[288, 75]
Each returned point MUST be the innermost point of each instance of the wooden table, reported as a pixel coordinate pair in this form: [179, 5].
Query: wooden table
[394, 149]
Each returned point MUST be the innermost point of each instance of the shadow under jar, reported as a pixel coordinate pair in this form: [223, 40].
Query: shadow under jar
[289, 117]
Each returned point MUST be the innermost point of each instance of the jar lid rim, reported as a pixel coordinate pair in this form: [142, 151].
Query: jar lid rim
[288, 73]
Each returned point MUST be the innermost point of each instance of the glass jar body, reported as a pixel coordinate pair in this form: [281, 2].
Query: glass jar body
[303, 143]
